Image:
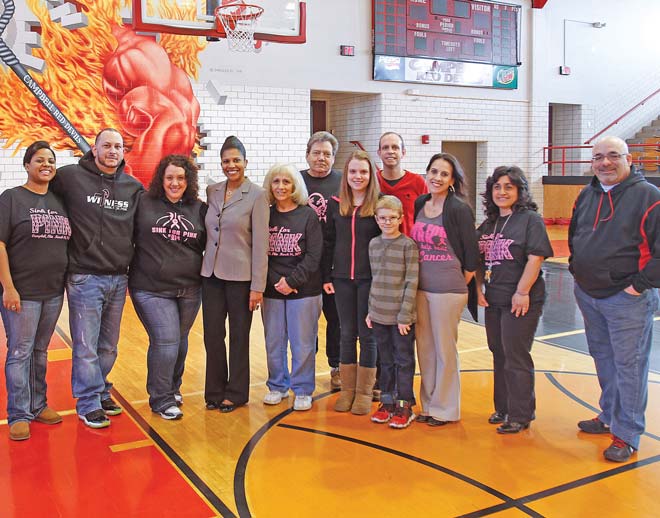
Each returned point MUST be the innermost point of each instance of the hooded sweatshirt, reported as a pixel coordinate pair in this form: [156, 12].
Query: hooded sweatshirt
[614, 237]
[101, 210]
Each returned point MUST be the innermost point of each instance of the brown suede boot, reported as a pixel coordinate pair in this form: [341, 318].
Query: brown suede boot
[48, 416]
[366, 377]
[19, 431]
[348, 375]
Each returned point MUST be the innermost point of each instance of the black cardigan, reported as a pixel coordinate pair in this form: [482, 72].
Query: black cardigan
[459, 224]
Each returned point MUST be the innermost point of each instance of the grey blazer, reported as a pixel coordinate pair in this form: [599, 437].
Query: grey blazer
[237, 235]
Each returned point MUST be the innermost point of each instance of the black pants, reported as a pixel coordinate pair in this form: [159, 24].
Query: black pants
[332, 332]
[352, 298]
[219, 299]
[510, 340]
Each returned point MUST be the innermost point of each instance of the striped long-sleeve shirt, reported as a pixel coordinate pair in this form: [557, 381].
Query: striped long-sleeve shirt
[394, 269]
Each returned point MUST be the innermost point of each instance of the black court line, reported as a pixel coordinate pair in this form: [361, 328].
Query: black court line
[509, 501]
[582, 402]
[563, 488]
[187, 471]
[241, 466]
[65, 337]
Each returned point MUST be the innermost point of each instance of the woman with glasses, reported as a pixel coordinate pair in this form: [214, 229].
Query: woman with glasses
[448, 258]
[513, 243]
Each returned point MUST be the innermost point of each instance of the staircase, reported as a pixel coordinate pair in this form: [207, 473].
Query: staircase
[649, 135]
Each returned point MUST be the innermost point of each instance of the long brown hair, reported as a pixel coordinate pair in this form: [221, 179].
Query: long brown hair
[368, 207]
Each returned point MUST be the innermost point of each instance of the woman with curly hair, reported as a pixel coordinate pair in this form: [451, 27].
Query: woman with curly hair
[513, 243]
[164, 280]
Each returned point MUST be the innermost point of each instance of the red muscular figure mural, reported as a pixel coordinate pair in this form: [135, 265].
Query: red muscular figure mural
[103, 74]
[154, 100]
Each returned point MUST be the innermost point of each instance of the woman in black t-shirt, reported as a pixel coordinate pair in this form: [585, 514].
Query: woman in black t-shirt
[34, 230]
[513, 243]
[164, 279]
[292, 300]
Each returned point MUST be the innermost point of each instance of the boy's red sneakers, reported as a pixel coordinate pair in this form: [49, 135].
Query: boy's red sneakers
[383, 414]
[403, 415]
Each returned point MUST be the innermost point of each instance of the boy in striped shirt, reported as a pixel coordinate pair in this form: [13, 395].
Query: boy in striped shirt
[394, 262]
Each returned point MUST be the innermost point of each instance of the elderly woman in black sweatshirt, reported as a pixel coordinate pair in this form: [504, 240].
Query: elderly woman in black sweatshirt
[165, 283]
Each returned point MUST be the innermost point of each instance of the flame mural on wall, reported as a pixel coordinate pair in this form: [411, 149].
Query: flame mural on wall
[103, 74]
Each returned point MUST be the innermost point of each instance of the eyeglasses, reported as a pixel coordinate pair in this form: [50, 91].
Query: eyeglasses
[612, 157]
[385, 219]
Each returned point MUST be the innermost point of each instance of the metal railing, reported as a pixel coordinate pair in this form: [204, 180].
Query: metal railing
[619, 119]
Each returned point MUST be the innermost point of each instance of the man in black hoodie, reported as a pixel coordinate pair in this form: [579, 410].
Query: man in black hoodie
[101, 200]
[614, 239]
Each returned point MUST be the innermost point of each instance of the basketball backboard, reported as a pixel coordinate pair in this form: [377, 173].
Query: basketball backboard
[283, 21]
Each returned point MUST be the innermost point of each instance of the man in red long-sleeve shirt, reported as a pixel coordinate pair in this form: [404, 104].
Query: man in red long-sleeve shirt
[395, 180]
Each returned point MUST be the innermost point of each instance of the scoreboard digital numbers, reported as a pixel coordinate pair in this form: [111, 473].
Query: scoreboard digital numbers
[463, 31]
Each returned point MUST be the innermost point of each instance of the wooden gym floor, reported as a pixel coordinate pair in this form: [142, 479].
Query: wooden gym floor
[272, 462]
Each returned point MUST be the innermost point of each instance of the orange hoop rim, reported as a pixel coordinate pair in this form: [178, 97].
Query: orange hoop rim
[226, 11]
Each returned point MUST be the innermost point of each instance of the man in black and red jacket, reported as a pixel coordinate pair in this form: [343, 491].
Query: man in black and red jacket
[614, 239]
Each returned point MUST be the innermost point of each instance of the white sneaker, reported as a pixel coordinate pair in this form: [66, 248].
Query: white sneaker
[302, 403]
[171, 413]
[275, 397]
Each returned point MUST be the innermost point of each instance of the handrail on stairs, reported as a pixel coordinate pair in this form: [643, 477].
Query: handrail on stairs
[616, 121]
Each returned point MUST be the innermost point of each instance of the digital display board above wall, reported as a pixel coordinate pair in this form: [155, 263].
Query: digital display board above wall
[446, 31]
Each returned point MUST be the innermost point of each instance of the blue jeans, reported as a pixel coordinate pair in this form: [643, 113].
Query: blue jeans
[167, 317]
[295, 321]
[396, 353]
[352, 298]
[28, 335]
[96, 303]
[619, 332]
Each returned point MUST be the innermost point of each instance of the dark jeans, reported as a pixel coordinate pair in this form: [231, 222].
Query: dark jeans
[167, 316]
[396, 353]
[352, 298]
[220, 299]
[332, 329]
[510, 340]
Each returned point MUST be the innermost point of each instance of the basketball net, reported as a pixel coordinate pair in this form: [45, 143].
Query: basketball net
[239, 22]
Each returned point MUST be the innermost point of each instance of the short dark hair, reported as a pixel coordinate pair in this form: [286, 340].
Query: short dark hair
[233, 142]
[323, 136]
[457, 173]
[517, 177]
[33, 148]
[192, 189]
[113, 130]
[403, 144]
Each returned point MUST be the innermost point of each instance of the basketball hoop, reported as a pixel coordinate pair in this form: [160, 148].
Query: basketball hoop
[239, 22]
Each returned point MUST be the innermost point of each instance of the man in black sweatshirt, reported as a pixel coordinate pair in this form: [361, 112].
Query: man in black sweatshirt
[101, 200]
[614, 239]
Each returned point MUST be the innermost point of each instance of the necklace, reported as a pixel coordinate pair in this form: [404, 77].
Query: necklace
[496, 240]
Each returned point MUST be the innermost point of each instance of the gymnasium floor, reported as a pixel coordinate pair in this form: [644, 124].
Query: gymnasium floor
[272, 462]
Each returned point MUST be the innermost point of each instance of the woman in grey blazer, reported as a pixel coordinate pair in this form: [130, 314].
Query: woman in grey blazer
[234, 277]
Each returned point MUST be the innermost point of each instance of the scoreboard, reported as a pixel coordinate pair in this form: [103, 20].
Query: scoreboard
[456, 30]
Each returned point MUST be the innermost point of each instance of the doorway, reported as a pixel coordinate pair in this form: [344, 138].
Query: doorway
[466, 152]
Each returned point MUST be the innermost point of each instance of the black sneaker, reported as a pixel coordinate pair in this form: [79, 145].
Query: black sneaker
[618, 451]
[110, 407]
[95, 419]
[497, 418]
[594, 425]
